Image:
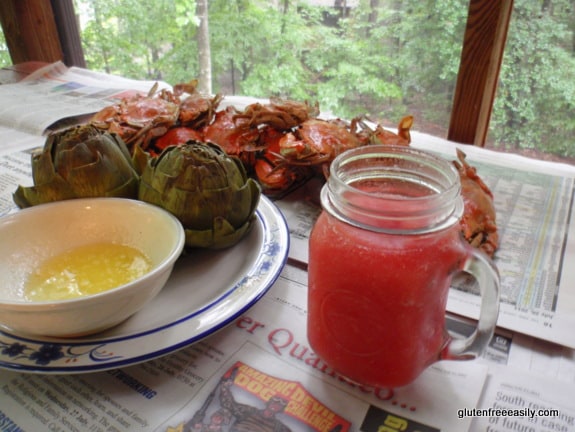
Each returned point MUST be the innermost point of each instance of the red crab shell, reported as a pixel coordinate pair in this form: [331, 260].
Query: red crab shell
[317, 141]
[174, 136]
[274, 173]
[478, 222]
[231, 132]
[280, 114]
[197, 111]
[139, 119]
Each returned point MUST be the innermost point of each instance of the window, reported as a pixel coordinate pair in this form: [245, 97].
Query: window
[534, 111]
[383, 58]
[354, 58]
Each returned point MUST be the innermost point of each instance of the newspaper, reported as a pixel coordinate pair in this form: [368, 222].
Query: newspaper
[256, 358]
[59, 96]
[226, 380]
[265, 354]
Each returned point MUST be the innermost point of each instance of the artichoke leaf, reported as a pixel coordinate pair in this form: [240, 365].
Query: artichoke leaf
[56, 190]
[192, 209]
[127, 190]
[140, 159]
[79, 155]
[102, 175]
[121, 145]
[246, 202]
[42, 167]
[48, 184]
[222, 235]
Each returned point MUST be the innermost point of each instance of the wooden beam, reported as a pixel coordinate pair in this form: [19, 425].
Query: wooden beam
[30, 31]
[483, 46]
[69, 32]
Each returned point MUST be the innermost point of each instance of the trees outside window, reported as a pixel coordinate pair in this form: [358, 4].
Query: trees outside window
[381, 58]
[534, 112]
[4, 54]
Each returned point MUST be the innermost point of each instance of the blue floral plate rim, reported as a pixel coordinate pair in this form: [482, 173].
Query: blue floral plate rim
[255, 263]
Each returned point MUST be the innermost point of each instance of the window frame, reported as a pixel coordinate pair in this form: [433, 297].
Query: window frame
[483, 47]
[55, 35]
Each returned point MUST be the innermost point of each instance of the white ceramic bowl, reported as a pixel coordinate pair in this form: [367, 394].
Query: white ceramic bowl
[32, 235]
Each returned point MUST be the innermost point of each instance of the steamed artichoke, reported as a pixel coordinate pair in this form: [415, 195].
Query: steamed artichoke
[207, 190]
[80, 162]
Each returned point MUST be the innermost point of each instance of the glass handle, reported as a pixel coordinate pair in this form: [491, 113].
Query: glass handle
[485, 273]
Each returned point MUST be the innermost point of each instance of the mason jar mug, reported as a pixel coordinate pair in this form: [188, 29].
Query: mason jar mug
[382, 255]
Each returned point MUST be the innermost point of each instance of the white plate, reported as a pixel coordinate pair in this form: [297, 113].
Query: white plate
[206, 291]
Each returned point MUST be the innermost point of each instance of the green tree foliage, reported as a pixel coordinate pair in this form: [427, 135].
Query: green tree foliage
[264, 47]
[151, 42]
[536, 97]
[4, 54]
[383, 58]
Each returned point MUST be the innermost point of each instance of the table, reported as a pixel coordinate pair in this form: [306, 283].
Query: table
[264, 351]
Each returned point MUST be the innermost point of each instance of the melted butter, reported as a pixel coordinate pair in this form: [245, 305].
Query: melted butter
[86, 270]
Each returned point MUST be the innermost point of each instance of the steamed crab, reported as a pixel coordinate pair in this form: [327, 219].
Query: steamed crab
[140, 119]
[282, 143]
[311, 146]
[478, 221]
